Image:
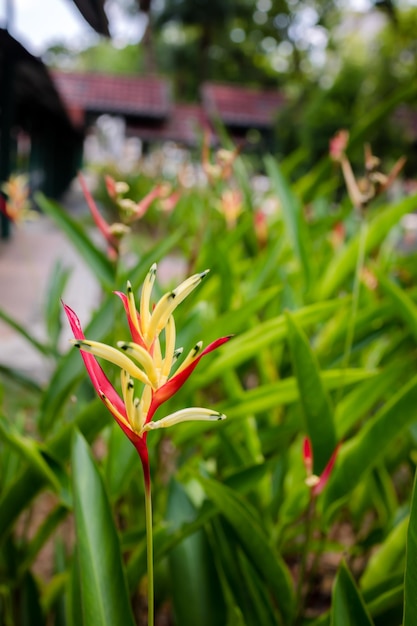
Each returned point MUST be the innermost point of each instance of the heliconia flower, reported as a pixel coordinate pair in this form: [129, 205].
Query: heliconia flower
[115, 188]
[16, 205]
[338, 144]
[317, 483]
[135, 210]
[338, 235]
[222, 168]
[142, 362]
[169, 197]
[375, 182]
[112, 233]
[261, 227]
[231, 205]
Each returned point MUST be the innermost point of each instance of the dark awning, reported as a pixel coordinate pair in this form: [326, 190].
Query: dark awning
[34, 96]
[93, 12]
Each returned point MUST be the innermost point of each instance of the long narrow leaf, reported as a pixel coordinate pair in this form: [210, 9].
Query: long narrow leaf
[348, 607]
[249, 344]
[104, 597]
[317, 409]
[364, 450]
[264, 558]
[29, 450]
[378, 228]
[410, 579]
[23, 332]
[286, 391]
[197, 597]
[95, 259]
[293, 216]
[404, 306]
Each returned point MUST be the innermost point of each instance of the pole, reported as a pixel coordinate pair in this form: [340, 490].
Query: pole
[6, 116]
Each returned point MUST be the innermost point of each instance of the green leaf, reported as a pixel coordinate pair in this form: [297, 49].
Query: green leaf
[317, 409]
[259, 550]
[27, 484]
[165, 540]
[356, 404]
[344, 263]
[121, 461]
[104, 596]
[196, 593]
[29, 450]
[136, 274]
[21, 330]
[286, 391]
[348, 607]
[29, 606]
[74, 610]
[404, 306]
[263, 335]
[388, 559]
[410, 579]
[293, 216]
[16, 377]
[386, 608]
[52, 307]
[240, 578]
[96, 260]
[18, 496]
[364, 451]
[49, 524]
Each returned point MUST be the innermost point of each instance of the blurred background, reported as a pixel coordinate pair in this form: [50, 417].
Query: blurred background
[280, 76]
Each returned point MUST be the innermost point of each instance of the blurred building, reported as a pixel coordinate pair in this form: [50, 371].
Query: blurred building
[36, 132]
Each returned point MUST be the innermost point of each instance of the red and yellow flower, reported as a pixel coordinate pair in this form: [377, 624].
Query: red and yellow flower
[143, 364]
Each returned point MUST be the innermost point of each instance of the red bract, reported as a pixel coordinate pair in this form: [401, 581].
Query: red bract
[317, 483]
[102, 225]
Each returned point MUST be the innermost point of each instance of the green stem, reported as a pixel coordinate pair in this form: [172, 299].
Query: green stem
[355, 302]
[301, 598]
[355, 295]
[149, 542]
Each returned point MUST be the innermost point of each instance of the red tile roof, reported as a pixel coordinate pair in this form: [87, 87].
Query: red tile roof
[136, 96]
[146, 104]
[184, 125]
[241, 106]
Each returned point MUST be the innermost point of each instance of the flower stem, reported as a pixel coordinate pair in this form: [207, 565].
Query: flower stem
[302, 578]
[149, 541]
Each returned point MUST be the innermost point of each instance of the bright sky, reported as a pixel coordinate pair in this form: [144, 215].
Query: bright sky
[38, 24]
